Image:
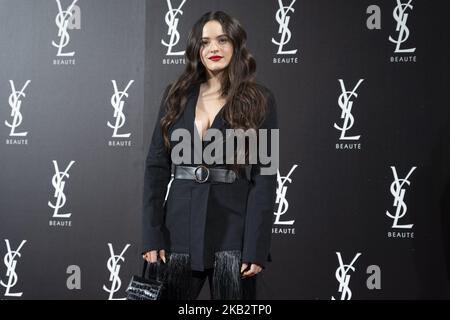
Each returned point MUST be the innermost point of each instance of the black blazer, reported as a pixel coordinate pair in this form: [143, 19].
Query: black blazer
[203, 218]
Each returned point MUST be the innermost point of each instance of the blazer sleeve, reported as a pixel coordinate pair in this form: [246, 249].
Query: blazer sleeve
[261, 201]
[156, 178]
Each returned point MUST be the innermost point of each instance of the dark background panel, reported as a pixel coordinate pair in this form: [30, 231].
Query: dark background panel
[337, 198]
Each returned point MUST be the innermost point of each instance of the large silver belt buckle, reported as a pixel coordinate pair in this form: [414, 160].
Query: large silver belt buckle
[198, 177]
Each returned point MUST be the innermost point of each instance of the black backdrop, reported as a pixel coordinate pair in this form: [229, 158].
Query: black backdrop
[71, 187]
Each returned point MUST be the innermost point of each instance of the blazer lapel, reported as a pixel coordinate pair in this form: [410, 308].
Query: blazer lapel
[189, 114]
[218, 122]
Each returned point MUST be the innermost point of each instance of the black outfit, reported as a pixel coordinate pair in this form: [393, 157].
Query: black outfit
[203, 223]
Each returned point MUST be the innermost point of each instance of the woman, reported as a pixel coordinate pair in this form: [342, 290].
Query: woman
[216, 222]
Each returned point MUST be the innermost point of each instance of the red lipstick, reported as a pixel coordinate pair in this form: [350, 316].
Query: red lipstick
[215, 58]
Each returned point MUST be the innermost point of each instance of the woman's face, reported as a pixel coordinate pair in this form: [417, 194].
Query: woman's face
[216, 49]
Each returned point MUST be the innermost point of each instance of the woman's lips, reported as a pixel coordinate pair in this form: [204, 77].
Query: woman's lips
[215, 58]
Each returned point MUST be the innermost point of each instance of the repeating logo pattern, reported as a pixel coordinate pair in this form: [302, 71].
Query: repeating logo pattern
[113, 266]
[59, 183]
[280, 225]
[171, 19]
[398, 191]
[15, 102]
[343, 276]
[401, 15]
[283, 17]
[10, 261]
[65, 20]
[117, 102]
[345, 102]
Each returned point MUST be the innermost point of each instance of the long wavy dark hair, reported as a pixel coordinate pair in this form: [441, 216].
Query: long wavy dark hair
[246, 103]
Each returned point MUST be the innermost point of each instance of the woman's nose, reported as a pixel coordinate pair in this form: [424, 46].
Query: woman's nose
[214, 47]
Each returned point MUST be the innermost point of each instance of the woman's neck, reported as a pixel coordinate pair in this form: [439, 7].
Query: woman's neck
[213, 84]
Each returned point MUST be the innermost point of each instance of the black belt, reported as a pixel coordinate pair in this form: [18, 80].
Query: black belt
[202, 174]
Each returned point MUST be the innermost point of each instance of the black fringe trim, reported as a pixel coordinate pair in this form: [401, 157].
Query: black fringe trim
[227, 283]
[177, 275]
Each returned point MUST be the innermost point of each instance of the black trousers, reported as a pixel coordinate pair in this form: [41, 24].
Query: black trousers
[198, 279]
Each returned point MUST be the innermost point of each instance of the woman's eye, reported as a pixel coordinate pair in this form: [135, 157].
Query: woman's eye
[204, 43]
[223, 40]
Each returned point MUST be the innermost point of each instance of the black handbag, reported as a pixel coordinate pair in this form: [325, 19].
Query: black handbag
[152, 287]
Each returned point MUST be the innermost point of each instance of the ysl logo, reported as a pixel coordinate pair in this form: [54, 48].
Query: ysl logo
[172, 22]
[343, 278]
[117, 103]
[15, 103]
[58, 184]
[114, 269]
[398, 192]
[283, 20]
[281, 197]
[11, 263]
[62, 22]
[346, 105]
[403, 32]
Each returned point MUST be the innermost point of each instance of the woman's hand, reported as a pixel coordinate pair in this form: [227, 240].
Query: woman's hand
[253, 270]
[151, 256]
